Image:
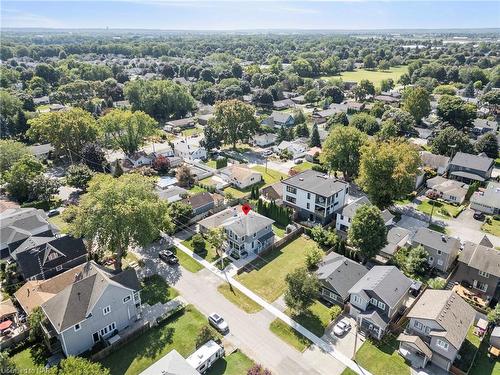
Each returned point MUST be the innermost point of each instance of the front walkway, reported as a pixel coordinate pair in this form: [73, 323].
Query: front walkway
[325, 347]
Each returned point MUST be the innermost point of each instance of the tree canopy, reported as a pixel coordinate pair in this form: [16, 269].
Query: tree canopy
[367, 231]
[235, 121]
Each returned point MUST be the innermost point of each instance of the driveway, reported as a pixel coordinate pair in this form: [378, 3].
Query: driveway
[345, 343]
[249, 332]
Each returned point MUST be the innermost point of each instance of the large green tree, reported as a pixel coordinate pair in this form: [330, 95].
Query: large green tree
[449, 141]
[416, 100]
[456, 112]
[365, 122]
[79, 365]
[10, 107]
[302, 289]
[387, 170]
[367, 231]
[20, 177]
[68, 131]
[341, 150]
[120, 212]
[487, 143]
[127, 130]
[403, 120]
[163, 100]
[235, 120]
[10, 152]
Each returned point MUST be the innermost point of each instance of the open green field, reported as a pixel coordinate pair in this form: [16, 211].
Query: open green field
[271, 176]
[236, 363]
[31, 360]
[304, 166]
[375, 76]
[237, 193]
[484, 365]
[178, 332]
[315, 319]
[266, 275]
[239, 299]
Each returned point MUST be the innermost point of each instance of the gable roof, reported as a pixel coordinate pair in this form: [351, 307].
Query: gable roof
[449, 310]
[316, 182]
[478, 162]
[435, 240]
[240, 173]
[73, 303]
[199, 200]
[17, 224]
[482, 258]
[247, 225]
[434, 161]
[387, 282]
[489, 197]
[339, 273]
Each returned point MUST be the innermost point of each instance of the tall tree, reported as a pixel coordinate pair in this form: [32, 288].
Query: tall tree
[127, 130]
[487, 143]
[235, 120]
[403, 120]
[456, 112]
[368, 232]
[449, 141]
[10, 152]
[416, 100]
[79, 176]
[302, 289]
[341, 151]
[20, 176]
[120, 212]
[365, 122]
[10, 106]
[315, 140]
[184, 176]
[79, 365]
[387, 170]
[93, 156]
[68, 131]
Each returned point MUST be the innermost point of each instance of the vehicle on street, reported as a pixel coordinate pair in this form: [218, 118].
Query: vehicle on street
[52, 213]
[298, 161]
[478, 215]
[342, 327]
[218, 323]
[168, 257]
[267, 153]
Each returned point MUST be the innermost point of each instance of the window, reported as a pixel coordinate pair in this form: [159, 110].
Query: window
[442, 344]
[308, 206]
[290, 199]
[373, 301]
[59, 267]
[418, 325]
[308, 195]
[106, 310]
[126, 299]
[77, 327]
[431, 259]
[381, 305]
[427, 330]
[53, 255]
[483, 274]
[292, 190]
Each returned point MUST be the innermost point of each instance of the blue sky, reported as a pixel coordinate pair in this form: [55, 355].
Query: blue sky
[233, 15]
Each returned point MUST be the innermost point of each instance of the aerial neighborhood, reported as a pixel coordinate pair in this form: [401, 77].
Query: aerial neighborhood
[219, 203]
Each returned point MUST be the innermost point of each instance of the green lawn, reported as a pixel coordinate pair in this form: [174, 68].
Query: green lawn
[278, 230]
[195, 189]
[493, 228]
[192, 131]
[59, 223]
[441, 209]
[304, 166]
[381, 359]
[31, 360]
[271, 176]
[237, 363]
[239, 299]
[211, 163]
[375, 76]
[289, 335]
[468, 350]
[236, 193]
[187, 262]
[208, 181]
[266, 275]
[179, 332]
[155, 289]
[209, 254]
[316, 319]
[484, 365]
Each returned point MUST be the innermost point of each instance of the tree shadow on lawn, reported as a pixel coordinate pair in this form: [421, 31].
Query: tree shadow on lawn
[218, 368]
[262, 261]
[155, 289]
[39, 354]
[387, 345]
[310, 321]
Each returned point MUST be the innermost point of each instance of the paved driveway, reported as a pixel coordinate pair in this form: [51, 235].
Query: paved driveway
[249, 332]
[345, 343]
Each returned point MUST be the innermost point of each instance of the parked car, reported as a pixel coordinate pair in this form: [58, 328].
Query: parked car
[267, 153]
[52, 213]
[478, 215]
[342, 327]
[297, 161]
[218, 323]
[168, 257]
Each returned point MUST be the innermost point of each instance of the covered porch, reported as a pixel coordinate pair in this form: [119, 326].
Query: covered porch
[414, 350]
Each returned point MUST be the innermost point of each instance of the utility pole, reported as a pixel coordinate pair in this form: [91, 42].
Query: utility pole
[355, 342]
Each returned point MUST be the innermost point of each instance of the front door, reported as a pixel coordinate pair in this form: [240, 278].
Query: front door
[95, 337]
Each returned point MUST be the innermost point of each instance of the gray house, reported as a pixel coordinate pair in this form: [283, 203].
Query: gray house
[438, 326]
[469, 168]
[479, 267]
[442, 249]
[377, 298]
[95, 306]
[201, 203]
[337, 274]
[487, 200]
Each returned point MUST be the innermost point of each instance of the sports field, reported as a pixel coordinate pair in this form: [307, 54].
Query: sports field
[375, 76]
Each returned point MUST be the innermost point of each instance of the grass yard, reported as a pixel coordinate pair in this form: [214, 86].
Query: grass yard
[271, 176]
[236, 363]
[382, 359]
[278, 230]
[239, 299]
[209, 254]
[468, 350]
[195, 189]
[187, 262]
[441, 209]
[178, 332]
[375, 76]
[155, 289]
[208, 181]
[316, 319]
[236, 193]
[59, 223]
[266, 275]
[289, 335]
[304, 166]
[210, 163]
[192, 131]
[31, 360]
[493, 228]
[483, 365]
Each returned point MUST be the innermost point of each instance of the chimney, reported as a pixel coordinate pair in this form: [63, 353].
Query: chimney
[443, 238]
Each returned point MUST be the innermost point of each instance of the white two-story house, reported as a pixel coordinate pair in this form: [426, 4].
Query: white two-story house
[314, 196]
[344, 217]
[438, 326]
[189, 150]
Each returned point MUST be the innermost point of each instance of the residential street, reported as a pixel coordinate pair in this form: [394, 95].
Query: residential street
[249, 332]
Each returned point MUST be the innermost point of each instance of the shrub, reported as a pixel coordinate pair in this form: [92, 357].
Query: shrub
[313, 256]
[198, 243]
[437, 283]
[335, 311]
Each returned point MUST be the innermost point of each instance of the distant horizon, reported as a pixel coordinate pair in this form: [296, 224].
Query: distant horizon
[233, 16]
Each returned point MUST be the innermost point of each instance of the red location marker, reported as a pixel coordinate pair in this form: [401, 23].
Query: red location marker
[246, 208]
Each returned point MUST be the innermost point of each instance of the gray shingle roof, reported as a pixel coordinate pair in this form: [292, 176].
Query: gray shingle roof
[481, 163]
[316, 182]
[246, 225]
[435, 240]
[387, 282]
[449, 310]
[481, 258]
[340, 273]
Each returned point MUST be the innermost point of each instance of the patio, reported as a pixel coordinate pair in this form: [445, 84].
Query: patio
[471, 296]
